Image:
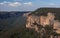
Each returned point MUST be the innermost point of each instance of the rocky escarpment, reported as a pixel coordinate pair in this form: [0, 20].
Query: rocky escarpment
[40, 23]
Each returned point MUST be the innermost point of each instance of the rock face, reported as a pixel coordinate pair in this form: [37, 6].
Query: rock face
[34, 21]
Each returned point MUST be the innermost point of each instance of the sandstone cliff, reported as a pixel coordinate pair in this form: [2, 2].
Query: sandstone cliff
[34, 22]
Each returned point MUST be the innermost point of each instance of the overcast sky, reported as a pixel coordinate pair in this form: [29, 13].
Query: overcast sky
[27, 5]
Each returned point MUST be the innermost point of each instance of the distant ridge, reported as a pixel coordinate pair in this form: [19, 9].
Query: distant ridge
[11, 14]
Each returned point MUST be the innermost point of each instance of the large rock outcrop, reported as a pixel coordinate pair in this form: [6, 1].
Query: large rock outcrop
[35, 21]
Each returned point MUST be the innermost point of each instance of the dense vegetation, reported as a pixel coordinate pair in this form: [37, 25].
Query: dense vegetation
[21, 32]
[11, 25]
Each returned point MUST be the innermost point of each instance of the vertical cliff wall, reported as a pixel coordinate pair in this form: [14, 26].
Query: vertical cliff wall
[34, 21]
